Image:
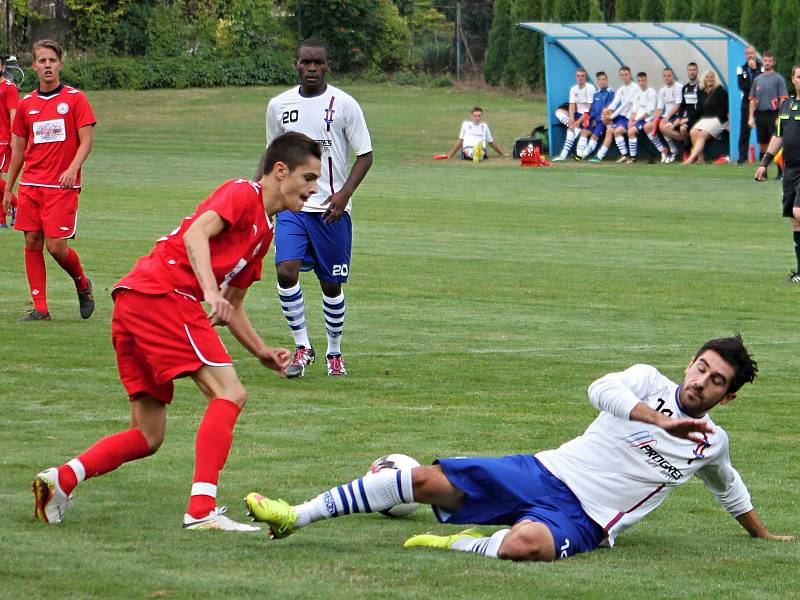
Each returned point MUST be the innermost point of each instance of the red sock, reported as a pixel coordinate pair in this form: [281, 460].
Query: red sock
[212, 445]
[72, 265]
[37, 278]
[105, 455]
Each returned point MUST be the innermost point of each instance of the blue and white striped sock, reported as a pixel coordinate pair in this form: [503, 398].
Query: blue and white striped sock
[673, 149]
[372, 493]
[656, 142]
[633, 143]
[334, 309]
[488, 546]
[620, 140]
[294, 309]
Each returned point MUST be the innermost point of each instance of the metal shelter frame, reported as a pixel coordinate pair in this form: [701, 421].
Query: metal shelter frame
[648, 47]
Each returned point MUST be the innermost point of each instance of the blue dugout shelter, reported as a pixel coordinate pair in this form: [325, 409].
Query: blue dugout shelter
[645, 47]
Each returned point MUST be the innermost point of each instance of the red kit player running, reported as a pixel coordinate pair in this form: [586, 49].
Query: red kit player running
[9, 101]
[160, 331]
[52, 137]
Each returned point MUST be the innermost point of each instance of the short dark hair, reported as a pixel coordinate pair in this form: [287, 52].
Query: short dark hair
[642, 74]
[292, 148]
[733, 352]
[794, 68]
[474, 108]
[48, 44]
[600, 73]
[314, 43]
[692, 64]
[667, 69]
[624, 68]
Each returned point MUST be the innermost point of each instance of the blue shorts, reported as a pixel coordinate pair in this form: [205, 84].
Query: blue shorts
[639, 124]
[620, 122]
[324, 247]
[504, 491]
[598, 128]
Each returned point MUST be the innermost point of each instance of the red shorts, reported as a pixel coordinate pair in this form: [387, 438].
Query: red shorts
[5, 157]
[160, 338]
[52, 211]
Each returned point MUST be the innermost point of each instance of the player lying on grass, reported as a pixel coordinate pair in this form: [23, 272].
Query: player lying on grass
[651, 436]
[160, 331]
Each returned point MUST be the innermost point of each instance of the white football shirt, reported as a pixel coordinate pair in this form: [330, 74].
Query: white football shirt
[336, 121]
[622, 104]
[472, 134]
[669, 98]
[621, 470]
[644, 103]
[582, 97]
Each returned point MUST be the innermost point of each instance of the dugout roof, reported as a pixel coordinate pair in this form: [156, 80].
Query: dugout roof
[645, 47]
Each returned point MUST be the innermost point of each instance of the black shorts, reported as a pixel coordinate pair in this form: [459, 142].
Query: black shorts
[765, 125]
[791, 190]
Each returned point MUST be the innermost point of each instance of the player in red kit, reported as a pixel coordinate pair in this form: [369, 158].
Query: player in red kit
[9, 100]
[52, 137]
[160, 331]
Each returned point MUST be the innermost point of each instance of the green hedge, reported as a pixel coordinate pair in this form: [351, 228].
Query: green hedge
[145, 73]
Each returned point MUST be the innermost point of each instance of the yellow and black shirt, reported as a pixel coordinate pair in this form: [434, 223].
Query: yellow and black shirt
[789, 130]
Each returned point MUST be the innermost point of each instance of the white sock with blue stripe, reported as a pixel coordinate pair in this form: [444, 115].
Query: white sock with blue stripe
[620, 140]
[372, 493]
[488, 546]
[673, 149]
[334, 310]
[633, 143]
[294, 309]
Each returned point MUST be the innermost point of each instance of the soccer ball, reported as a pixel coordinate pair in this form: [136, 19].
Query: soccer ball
[395, 461]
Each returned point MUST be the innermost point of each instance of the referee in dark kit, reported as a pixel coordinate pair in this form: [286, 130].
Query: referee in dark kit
[787, 136]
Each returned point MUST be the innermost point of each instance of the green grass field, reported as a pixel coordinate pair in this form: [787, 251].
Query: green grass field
[482, 302]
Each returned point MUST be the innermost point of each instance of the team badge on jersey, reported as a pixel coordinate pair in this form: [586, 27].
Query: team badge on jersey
[62, 108]
[329, 112]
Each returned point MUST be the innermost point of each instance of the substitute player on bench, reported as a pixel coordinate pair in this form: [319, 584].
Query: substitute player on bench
[161, 332]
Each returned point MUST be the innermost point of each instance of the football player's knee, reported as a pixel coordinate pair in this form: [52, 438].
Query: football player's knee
[287, 275]
[518, 546]
[796, 215]
[236, 394]
[154, 438]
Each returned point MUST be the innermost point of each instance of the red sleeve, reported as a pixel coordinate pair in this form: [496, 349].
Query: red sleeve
[20, 126]
[248, 276]
[11, 97]
[83, 112]
[232, 201]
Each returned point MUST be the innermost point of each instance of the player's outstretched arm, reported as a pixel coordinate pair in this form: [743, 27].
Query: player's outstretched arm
[775, 144]
[756, 528]
[239, 325]
[497, 148]
[456, 147]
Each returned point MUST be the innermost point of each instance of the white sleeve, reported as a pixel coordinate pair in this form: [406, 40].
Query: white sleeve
[619, 393]
[463, 133]
[487, 134]
[273, 121]
[660, 104]
[616, 103]
[722, 480]
[651, 102]
[356, 129]
[573, 94]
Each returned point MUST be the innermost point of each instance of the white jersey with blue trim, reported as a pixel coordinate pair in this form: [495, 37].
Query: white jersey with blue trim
[581, 97]
[621, 470]
[471, 134]
[669, 98]
[336, 121]
[644, 103]
[622, 104]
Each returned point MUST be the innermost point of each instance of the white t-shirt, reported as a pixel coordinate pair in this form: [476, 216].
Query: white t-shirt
[336, 121]
[669, 98]
[582, 97]
[644, 103]
[472, 134]
[622, 104]
[621, 470]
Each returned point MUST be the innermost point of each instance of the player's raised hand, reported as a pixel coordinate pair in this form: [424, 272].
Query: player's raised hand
[336, 204]
[221, 311]
[688, 429]
[277, 359]
[761, 173]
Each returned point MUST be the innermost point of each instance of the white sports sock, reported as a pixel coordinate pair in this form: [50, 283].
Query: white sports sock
[673, 149]
[294, 309]
[634, 146]
[334, 311]
[568, 143]
[656, 142]
[372, 493]
[488, 546]
[620, 140]
[601, 154]
[563, 118]
[582, 143]
[590, 147]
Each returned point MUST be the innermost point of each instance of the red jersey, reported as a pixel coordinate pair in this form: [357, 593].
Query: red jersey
[9, 100]
[236, 252]
[50, 122]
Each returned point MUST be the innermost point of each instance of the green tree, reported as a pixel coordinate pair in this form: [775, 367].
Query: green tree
[677, 10]
[595, 11]
[702, 10]
[783, 37]
[497, 52]
[525, 65]
[652, 10]
[728, 14]
[756, 17]
[569, 11]
[96, 22]
[628, 10]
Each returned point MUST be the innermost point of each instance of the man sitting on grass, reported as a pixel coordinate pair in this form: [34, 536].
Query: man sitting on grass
[651, 436]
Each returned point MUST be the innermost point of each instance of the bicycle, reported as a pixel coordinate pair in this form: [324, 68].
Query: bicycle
[13, 72]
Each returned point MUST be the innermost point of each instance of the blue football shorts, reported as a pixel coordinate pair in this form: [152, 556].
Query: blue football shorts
[639, 125]
[620, 122]
[507, 490]
[598, 128]
[324, 247]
